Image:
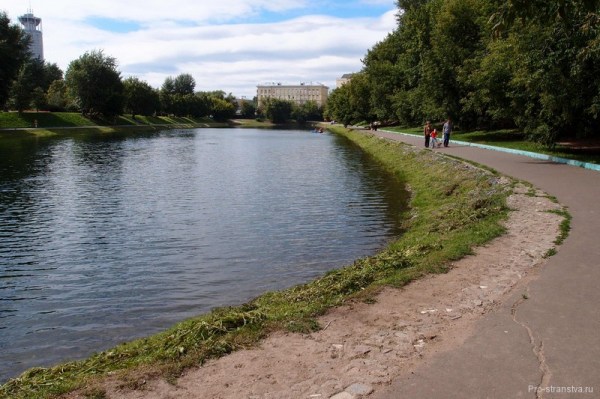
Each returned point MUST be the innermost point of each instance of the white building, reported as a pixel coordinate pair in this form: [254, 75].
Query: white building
[343, 80]
[33, 27]
[298, 94]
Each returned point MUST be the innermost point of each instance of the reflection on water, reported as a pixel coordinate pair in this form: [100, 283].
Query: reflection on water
[104, 239]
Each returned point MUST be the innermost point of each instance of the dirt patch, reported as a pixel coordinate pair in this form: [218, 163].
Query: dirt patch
[364, 346]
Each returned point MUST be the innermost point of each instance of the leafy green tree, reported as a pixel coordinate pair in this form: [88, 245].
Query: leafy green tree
[57, 95]
[308, 111]
[458, 38]
[30, 77]
[140, 97]
[489, 87]
[39, 99]
[529, 64]
[177, 95]
[95, 83]
[248, 109]
[21, 92]
[338, 106]
[221, 109]
[557, 75]
[14, 51]
[202, 105]
[277, 111]
[52, 72]
[184, 84]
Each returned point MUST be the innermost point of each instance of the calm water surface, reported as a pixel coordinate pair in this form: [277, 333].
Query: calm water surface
[105, 239]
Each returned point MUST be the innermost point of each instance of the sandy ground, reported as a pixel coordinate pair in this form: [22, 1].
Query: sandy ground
[363, 347]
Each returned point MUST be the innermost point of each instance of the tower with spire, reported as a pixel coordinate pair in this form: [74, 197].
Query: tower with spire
[33, 27]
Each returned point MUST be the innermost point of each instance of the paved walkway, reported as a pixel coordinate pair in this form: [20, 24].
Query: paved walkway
[551, 348]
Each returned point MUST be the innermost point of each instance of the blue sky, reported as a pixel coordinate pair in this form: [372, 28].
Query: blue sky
[230, 45]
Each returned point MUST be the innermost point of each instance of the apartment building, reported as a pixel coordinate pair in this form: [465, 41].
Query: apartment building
[298, 94]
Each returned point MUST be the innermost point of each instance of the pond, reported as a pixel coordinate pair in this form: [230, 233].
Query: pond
[106, 238]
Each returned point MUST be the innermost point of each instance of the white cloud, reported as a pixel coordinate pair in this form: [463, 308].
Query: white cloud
[230, 57]
[151, 10]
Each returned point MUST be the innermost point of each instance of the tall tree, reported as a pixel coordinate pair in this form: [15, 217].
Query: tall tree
[277, 111]
[34, 78]
[52, 72]
[557, 44]
[14, 51]
[184, 84]
[57, 95]
[248, 109]
[95, 83]
[308, 111]
[177, 95]
[140, 97]
[221, 109]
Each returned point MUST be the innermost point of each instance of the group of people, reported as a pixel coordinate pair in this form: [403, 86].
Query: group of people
[431, 134]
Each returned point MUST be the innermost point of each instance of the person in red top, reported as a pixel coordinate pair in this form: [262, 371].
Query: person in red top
[434, 141]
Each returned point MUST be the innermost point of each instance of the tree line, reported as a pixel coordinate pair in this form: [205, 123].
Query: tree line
[533, 65]
[93, 86]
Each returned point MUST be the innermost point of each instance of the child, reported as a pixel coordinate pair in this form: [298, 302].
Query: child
[434, 141]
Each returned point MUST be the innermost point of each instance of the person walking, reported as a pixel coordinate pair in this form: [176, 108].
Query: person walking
[427, 132]
[446, 130]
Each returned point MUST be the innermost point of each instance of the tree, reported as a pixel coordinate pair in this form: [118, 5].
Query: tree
[34, 77]
[221, 109]
[14, 51]
[277, 111]
[177, 95]
[184, 84]
[248, 109]
[57, 96]
[139, 97]
[95, 84]
[52, 72]
[557, 45]
[39, 99]
[30, 78]
[308, 111]
[338, 106]
[539, 72]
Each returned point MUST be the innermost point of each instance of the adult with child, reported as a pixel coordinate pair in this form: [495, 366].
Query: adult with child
[446, 130]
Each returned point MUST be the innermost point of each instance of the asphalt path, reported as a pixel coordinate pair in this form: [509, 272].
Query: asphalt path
[551, 348]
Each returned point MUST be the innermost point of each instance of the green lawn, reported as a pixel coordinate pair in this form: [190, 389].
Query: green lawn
[48, 120]
[10, 120]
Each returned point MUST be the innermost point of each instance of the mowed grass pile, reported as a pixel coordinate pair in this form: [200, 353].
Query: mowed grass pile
[453, 207]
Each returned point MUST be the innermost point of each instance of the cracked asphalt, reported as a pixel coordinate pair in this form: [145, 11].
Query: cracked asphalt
[544, 341]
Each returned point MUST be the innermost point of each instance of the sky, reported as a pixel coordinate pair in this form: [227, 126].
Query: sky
[229, 45]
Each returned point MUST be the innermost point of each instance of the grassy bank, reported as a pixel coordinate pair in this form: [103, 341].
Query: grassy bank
[515, 140]
[36, 122]
[42, 120]
[453, 207]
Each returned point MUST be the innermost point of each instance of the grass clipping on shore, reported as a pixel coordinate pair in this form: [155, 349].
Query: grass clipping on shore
[454, 206]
